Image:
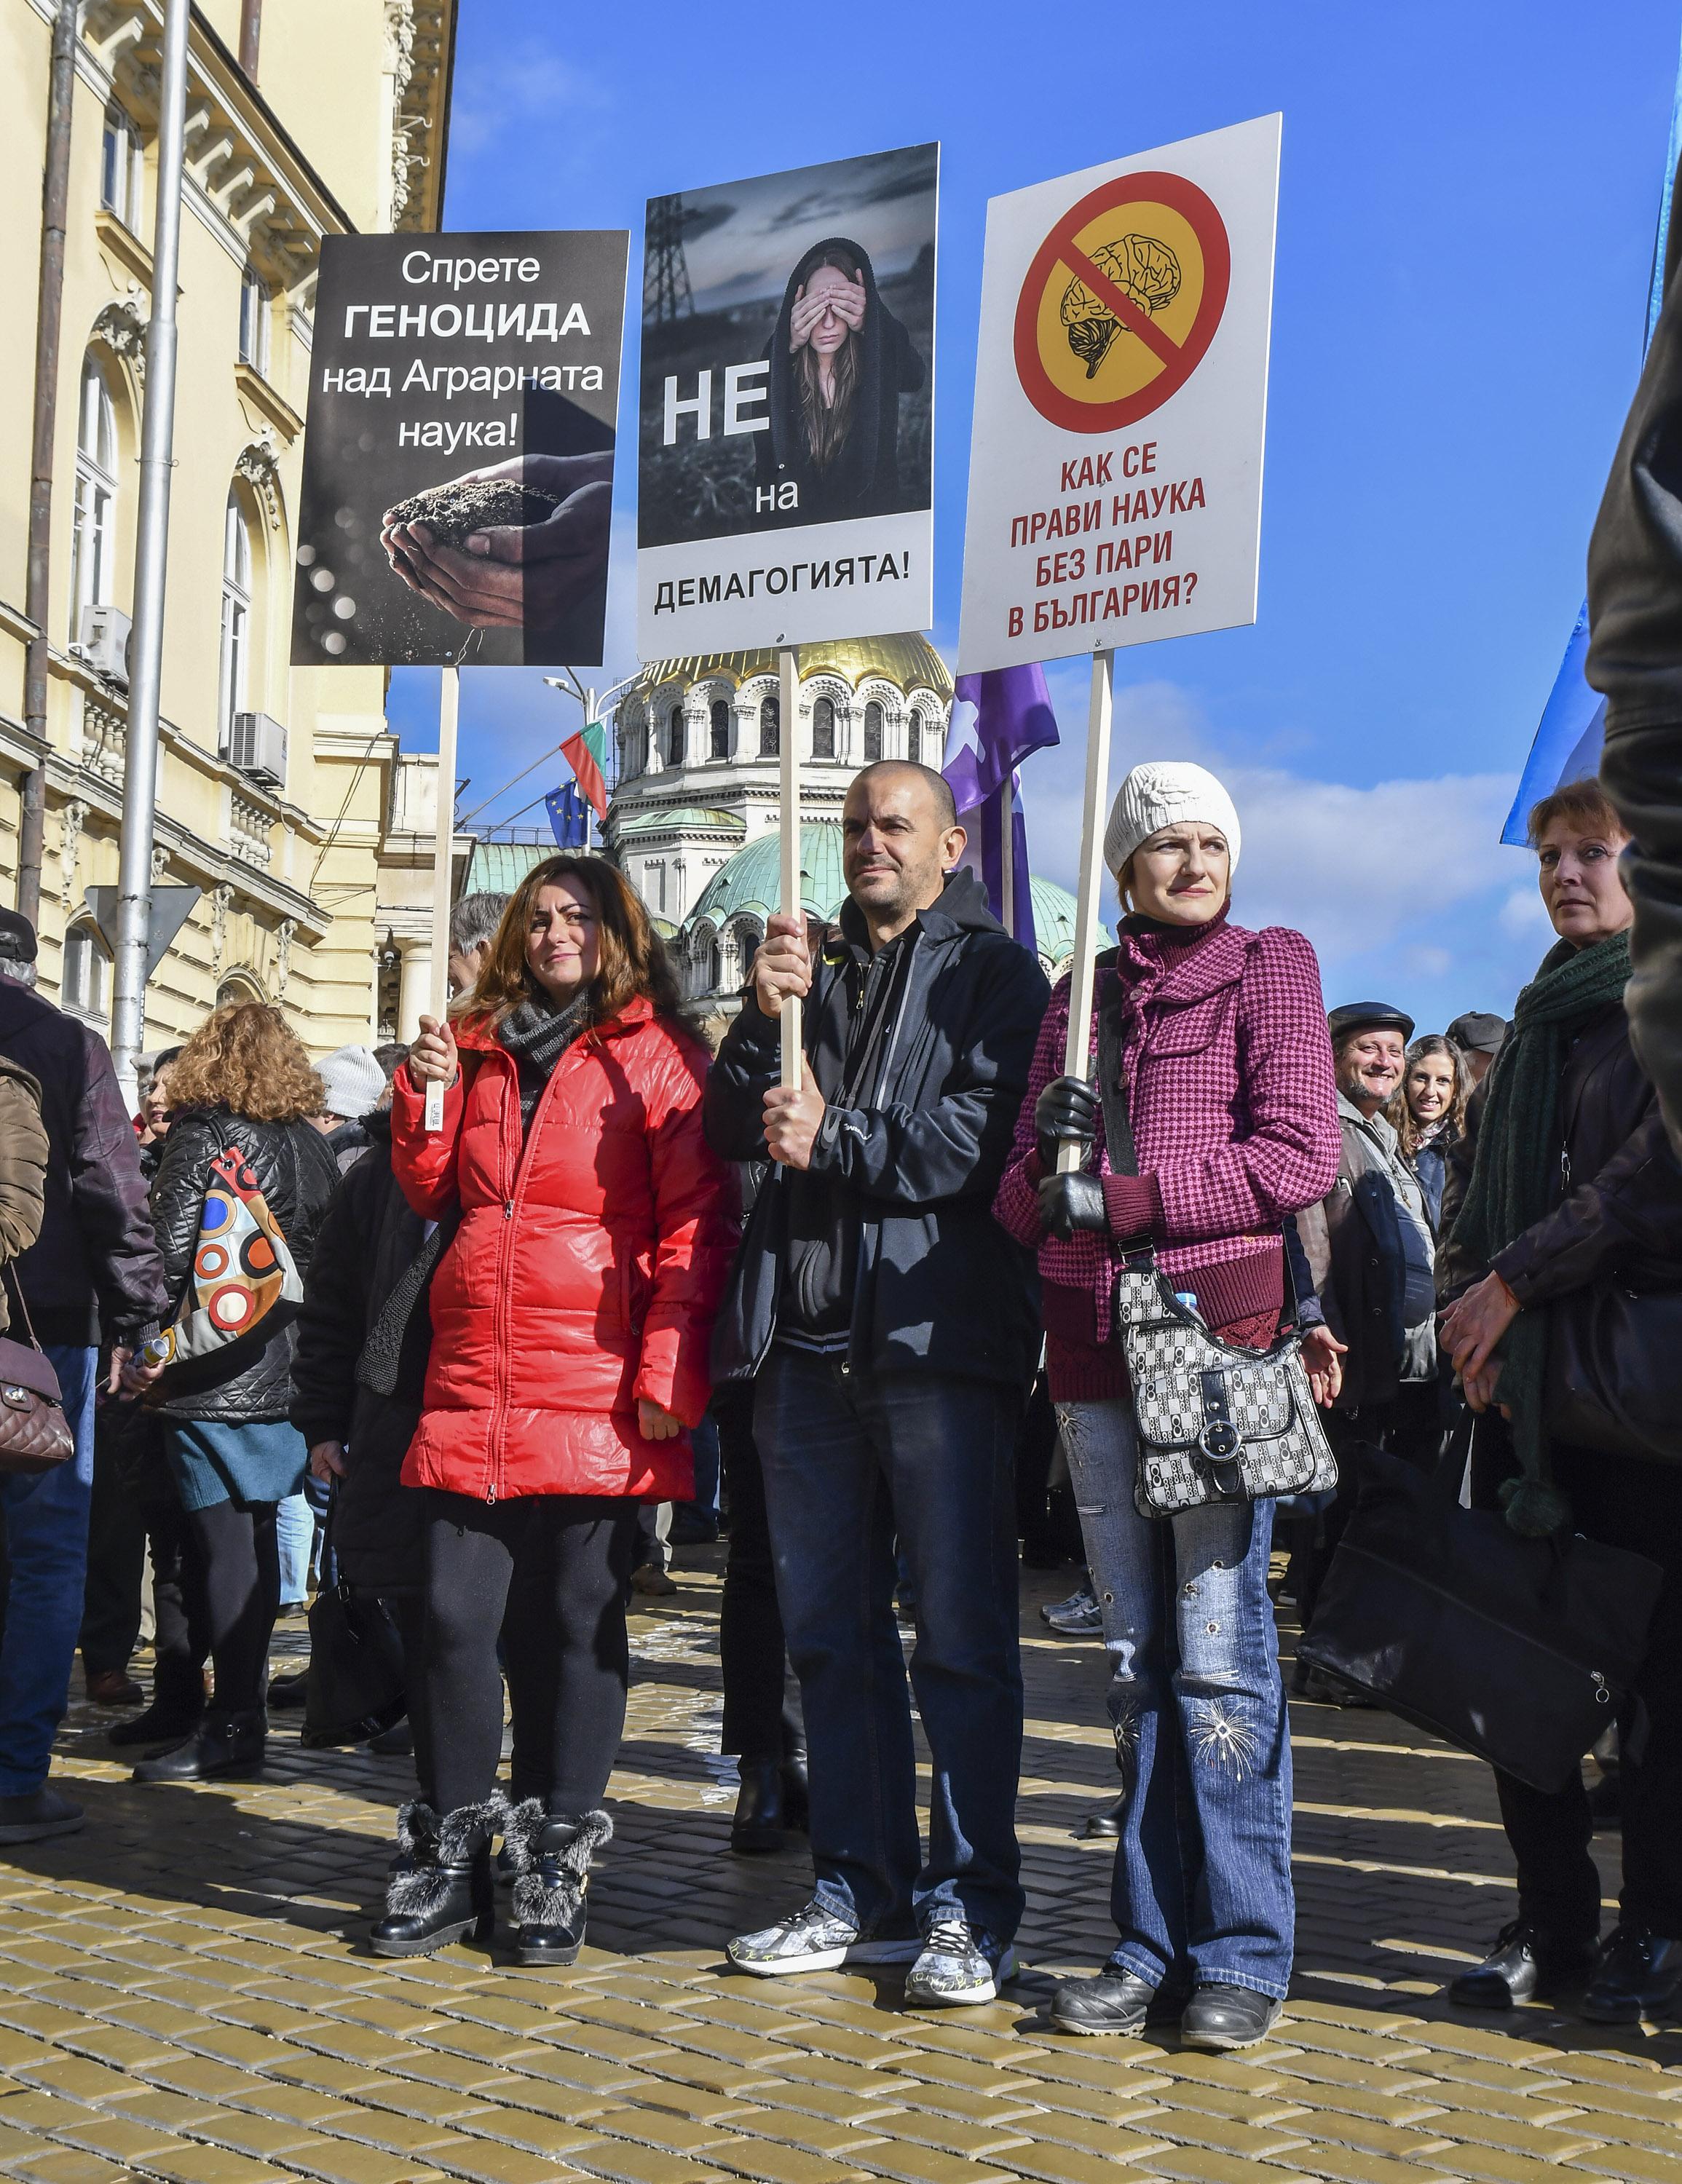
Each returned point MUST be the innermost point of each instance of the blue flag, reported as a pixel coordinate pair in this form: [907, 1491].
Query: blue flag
[1568, 741]
[568, 816]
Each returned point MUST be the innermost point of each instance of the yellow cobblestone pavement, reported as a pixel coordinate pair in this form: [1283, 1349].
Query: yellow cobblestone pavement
[184, 1993]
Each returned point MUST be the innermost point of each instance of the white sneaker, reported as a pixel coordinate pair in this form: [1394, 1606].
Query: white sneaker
[960, 1964]
[814, 1940]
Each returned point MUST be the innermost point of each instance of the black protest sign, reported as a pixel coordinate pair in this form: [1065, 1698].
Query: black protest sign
[458, 456]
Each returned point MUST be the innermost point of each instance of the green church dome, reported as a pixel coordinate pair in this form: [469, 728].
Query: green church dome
[751, 880]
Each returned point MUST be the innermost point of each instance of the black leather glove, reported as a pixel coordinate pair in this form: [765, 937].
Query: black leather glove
[1065, 1111]
[1068, 1202]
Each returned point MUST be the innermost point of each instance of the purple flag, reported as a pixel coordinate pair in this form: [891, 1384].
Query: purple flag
[997, 720]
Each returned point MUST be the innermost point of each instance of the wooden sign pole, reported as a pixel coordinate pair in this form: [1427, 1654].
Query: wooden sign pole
[1077, 1053]
[788, 780]
[449, 705]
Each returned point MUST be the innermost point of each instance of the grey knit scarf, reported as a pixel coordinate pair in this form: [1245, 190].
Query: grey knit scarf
[536, 1032]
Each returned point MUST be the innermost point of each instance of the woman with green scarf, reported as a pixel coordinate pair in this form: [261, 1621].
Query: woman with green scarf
[1573, 1181]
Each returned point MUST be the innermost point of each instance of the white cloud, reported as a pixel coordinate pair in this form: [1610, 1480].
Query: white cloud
[530, 82]
[1403, 886]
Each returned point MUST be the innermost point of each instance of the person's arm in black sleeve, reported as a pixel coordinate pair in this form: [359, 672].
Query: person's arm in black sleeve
[109, 1198]
[1635, 660]
[333, 1321]
[1633, 1205]
[957, 1146]
[748, 1064]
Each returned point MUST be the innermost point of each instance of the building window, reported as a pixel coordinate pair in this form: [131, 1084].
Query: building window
[121, 167]
[85, 984]
[95, 497]
[236, 653]
[769, 712]
[824, 729]
[721, 728]
[674, 737]
[657, 889]
[872, 732]
[253, 321]
[914, 738]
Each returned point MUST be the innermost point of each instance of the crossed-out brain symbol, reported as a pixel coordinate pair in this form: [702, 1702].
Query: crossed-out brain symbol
[1146, 271]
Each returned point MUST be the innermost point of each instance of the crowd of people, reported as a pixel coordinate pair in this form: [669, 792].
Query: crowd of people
[463, 1367]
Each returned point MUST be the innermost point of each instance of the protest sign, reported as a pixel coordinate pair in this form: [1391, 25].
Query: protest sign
[1120, 401]
[458, 452]
[785, 475]
[1120, 398]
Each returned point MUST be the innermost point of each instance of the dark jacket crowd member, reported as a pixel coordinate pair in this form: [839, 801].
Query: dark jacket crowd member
[1228, 1074]
[571, 1313]
[92, 1274]
[1574, 1182]
[242, 1084]
[363, 1335]
[891, 1327]
[839, 362]
[1635, 660]
[1428, 1115]
[1476, 1037]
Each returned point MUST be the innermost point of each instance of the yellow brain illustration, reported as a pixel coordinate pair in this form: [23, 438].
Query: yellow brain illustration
[1146, 271]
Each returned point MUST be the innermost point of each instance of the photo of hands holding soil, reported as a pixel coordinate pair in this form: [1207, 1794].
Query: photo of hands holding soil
[521, 545]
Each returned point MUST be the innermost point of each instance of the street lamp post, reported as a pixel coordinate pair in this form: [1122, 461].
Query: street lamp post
[156, 451]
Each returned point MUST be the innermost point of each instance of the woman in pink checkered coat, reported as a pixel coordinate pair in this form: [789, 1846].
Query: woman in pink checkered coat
[1228, 1078]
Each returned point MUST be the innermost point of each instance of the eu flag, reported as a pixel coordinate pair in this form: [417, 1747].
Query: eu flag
[568, 816]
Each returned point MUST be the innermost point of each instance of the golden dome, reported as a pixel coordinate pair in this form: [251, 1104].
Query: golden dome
[909, 661]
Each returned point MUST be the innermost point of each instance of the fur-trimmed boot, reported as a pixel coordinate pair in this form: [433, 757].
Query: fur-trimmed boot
[440, 1886]
[552, 1874]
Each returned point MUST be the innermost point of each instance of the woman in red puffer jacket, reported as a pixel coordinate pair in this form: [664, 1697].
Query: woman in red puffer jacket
[571, 1311]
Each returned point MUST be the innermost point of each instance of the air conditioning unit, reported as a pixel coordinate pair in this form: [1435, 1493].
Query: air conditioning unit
[104, 644]
[257, 747]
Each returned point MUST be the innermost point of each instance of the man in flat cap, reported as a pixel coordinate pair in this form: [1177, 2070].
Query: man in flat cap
[1371, 1247]
[1479, 1036]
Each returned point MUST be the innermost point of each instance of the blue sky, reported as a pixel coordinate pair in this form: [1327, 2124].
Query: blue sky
[1466, 224]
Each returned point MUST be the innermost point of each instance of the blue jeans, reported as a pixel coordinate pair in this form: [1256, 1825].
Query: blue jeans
[1202, 1889]
[295, 1532]
[849, 1460]
[46, 1517]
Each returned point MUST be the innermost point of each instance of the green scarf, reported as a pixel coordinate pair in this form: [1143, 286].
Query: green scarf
[1512, 1185]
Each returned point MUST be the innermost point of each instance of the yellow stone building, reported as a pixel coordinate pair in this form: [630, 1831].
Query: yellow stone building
[283, 794]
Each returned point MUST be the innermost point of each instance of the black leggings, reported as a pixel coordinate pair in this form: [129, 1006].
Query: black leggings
[548, 1572]
[241, 1576]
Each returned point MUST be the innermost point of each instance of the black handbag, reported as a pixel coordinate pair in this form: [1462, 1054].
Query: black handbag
[1215, 1422]
[1614, 1371]
[357, 1686]
[1518, 1651]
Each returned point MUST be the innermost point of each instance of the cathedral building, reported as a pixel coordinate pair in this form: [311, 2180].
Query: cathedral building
[694, 822]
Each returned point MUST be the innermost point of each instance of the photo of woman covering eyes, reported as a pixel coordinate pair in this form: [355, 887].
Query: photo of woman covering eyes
[839, 362]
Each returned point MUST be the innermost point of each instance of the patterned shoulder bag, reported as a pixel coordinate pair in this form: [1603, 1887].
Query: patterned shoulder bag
[1215, 1422]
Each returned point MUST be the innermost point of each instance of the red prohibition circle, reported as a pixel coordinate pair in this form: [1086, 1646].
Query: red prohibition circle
[1180, 360]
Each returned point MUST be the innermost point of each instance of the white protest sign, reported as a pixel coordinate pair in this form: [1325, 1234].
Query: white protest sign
[1121, 403]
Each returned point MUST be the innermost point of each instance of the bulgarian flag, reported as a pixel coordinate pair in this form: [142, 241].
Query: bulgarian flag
[586, 753]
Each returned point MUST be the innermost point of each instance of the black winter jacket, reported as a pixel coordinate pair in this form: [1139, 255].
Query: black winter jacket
[1619, 1208]
[938, 1286]
[368, 1240]
[250, 1379]
[94, 1273]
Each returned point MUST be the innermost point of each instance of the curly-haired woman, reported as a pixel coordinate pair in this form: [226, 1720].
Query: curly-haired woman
[571, 1313]
[242, 1084]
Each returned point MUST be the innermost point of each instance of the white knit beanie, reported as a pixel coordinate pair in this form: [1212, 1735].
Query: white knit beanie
[354, 1081]
[1160, 794]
